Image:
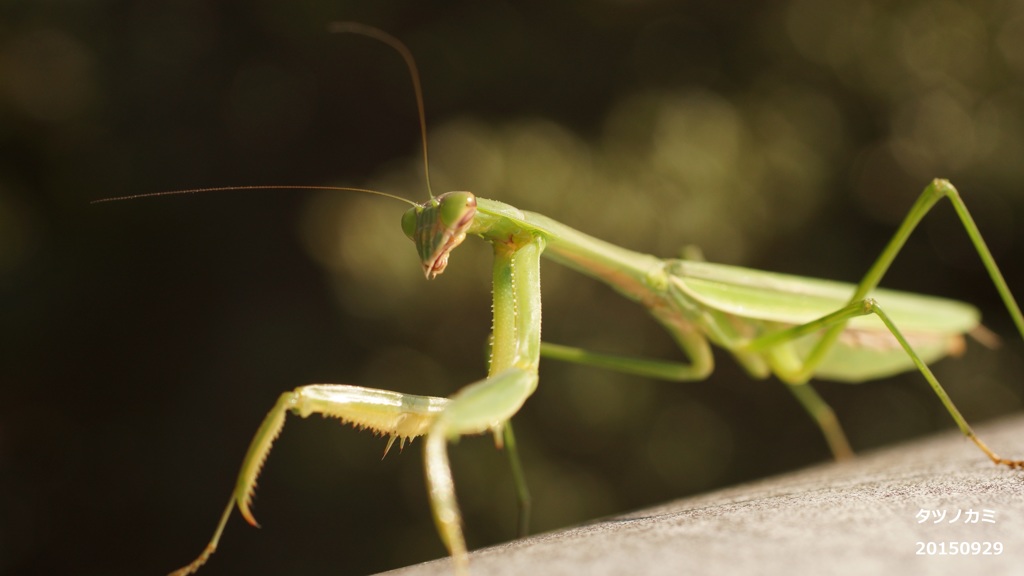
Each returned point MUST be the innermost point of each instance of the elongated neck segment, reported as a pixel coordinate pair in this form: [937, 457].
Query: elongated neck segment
[633, 274]
[440, 224]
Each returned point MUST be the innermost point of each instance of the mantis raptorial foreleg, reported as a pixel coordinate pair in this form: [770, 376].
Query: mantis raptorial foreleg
[490, 403]
[484, 406]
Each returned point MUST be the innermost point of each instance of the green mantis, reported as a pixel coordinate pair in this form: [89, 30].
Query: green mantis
[791, 327]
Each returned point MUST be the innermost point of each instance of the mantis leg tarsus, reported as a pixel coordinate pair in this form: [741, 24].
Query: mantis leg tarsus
[996, 459]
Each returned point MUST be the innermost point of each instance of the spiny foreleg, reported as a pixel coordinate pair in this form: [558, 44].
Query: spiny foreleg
[399, 416]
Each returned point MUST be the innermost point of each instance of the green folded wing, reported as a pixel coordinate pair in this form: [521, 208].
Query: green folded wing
[788, 299]
[866, 350]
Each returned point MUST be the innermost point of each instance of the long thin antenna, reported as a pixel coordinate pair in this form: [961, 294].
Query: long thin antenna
[342, 28]
[378, 34]
[260, 187]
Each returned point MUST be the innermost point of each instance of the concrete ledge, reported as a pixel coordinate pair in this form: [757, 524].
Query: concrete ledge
[861, 517]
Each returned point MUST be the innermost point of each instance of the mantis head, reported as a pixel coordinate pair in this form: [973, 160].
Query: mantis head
[437, 226]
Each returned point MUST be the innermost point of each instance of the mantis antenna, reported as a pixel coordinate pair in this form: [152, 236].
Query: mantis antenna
[253, 187]
[337, 28]
[410, 62]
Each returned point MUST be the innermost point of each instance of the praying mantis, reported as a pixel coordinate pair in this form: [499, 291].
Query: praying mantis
[794, 328]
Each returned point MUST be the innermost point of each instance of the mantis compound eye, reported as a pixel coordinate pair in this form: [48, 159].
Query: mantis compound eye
[409, 222]
[456, 207]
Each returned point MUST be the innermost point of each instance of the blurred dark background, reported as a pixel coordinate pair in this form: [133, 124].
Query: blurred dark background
[144, 341]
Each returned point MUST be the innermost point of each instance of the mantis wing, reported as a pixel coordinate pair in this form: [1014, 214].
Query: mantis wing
[866, 349]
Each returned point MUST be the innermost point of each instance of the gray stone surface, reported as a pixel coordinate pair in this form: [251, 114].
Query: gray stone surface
[860, 517]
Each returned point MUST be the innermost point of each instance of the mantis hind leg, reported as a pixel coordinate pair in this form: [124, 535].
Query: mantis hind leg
[861, 308]
[935, 191]
[859, 304]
